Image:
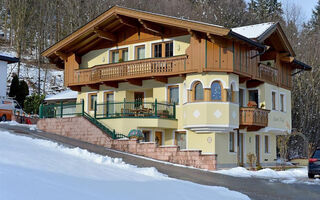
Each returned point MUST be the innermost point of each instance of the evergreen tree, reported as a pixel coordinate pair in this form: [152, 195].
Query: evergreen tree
[315, 20]
[22, 93]
[265, 10]
[32, 103]
[14, 86]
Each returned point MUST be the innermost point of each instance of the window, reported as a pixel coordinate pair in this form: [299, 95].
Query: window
[273, 101]
[198, 91]
[254, 96]
[266, 144]
[157, 50]
[109, 98]
[169, 49]
[92, 99]
[125, 55]
[119, 55]
[231, 142]
[241, 98]
[216, 91]
[164, 49]
[146, 135]
[282, 102]
[140, 52]
[173, 94]
[115, 56]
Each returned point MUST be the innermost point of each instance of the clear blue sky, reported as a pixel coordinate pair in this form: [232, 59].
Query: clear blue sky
[306, 5]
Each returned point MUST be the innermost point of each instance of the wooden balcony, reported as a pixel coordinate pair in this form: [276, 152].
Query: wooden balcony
[268, 73]
[253, 118]
[146, 68]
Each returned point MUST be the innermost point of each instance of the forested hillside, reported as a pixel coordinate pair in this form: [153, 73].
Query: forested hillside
[30, 26]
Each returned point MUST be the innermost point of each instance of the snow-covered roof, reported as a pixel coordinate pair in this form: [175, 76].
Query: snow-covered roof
[67, 94]
[253, 31]
[8, 57]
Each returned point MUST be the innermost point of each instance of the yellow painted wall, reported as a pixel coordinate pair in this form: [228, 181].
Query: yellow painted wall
[201, 141]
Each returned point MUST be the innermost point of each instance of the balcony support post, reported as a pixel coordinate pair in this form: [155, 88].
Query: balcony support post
[156, 108]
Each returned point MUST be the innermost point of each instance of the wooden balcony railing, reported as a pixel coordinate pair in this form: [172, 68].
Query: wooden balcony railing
[268, 73]
[251, 117]
[131, 69]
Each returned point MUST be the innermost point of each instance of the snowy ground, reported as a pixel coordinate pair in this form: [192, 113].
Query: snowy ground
[296, 175]
[14, 123]
[39, 169]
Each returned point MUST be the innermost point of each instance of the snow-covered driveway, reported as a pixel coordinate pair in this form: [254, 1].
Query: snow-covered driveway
[39, 169]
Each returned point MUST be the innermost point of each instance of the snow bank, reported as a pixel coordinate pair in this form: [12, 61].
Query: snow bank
[14, 123]
[39, 169]
[296, 175]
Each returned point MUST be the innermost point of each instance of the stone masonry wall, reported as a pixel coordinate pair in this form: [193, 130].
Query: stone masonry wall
[81, 129]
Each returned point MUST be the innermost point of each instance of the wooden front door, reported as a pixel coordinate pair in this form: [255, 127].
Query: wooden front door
[258, 149]
[180, 140]
[158, 138]
[138, 99]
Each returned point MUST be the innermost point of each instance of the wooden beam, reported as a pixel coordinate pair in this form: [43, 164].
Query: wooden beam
[83, 43]
[151, 27]
[137, 82]
[161, 79]
[105, 35]
[128, 22]
[75, 88]
[88, 47]
[61, 55]
[195, 34]
[243, 79]
[253, 83]
[111, 84]
[93, 86]
[288, 59]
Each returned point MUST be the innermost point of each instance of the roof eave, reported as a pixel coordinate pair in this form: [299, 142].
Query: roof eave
[235, 35]
[302, 65]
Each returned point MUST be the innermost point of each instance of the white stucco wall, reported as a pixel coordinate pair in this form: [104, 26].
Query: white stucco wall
[3, 78]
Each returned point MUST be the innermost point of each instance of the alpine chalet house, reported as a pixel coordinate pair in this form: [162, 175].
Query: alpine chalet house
[202, 87]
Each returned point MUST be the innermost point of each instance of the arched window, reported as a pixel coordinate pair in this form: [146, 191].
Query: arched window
[198, 91]
[216, 91]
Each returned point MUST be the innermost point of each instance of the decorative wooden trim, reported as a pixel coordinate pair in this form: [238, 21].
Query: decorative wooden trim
[137, 82]
[151, 27]
[111, 84]
[105, 35]
[161, 79]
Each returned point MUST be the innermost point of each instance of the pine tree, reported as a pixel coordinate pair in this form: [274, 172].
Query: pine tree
[315, 20]
[14, 86]
[22, 93]
[265, 10]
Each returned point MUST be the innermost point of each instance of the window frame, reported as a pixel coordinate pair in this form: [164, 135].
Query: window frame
[136, 52]
[169, 93]
[266, 144]
[194, 91]
[273, 100]
[221, 89]
[120, 52]
[90, 102]
[282, 99]
[163, 49]
[231, 142]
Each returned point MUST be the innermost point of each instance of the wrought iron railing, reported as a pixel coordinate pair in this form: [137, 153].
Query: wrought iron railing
[135, 109]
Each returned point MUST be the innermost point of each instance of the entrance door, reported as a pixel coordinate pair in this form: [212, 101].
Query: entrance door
[241, 149]
[158, 138]
[138, 99]
[180, 140]
[258, 149]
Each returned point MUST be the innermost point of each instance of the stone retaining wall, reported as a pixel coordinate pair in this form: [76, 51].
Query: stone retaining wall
[81, 129]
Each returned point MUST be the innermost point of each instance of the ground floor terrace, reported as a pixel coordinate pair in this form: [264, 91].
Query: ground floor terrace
[229, 148]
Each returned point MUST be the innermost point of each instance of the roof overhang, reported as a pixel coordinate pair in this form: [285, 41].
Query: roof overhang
[276, 28]
[300, 65]
[94, 31]
[8, 59]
